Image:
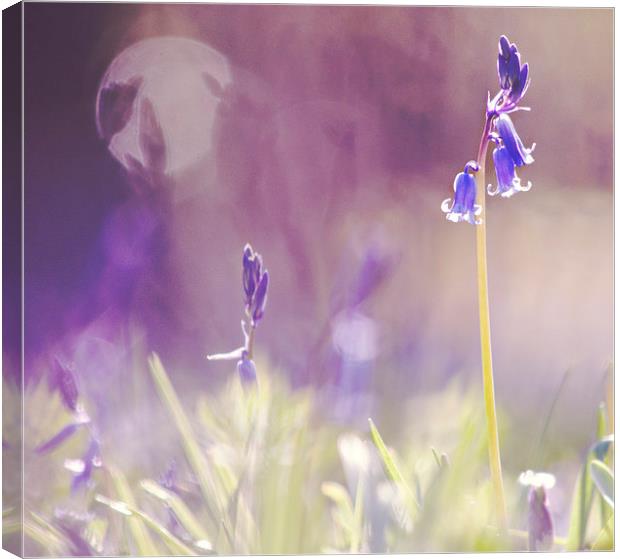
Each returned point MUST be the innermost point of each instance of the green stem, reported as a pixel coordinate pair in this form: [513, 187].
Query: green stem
[485, 337]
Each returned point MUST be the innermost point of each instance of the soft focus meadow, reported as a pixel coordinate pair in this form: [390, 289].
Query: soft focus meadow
[191, 168]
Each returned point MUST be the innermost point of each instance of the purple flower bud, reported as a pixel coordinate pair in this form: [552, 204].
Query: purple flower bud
[540, 524]
[508, 66]
[507, 180]
[64, 381]
[249, 276]
[252, 274]
[513, 78]
[464, 207]
[91, 459]
[260, 299]
[504, 47]
[247, 371]
[168, 478]
[520, 85]
[509, 137]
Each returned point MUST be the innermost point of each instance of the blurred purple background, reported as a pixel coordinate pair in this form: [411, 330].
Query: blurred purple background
[328, 132]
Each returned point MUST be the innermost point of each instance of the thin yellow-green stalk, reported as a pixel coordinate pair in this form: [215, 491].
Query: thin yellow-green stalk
[495, 463]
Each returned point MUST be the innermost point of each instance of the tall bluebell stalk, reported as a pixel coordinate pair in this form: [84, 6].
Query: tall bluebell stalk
[469, 205]
[255, 282]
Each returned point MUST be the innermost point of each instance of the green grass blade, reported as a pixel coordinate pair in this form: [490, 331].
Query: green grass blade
[582, 495]
[605, 540]
[358, 517]
[537, 452]
[338, 494]
[175, 545]
[11, 526]
[601, 421]
[391, 468]
[436, 457]
[180, 509]
[140, 535]
[193, 452]
[603, 478]
[601, 432]
[46, 539]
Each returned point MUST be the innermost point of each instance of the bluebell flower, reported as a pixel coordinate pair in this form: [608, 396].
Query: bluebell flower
[511, 140]
[247, 371]
[540, 523]
[83, 468]
[464, 207]
[508, 182]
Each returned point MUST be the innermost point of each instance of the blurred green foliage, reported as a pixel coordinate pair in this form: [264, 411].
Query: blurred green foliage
[266, 471]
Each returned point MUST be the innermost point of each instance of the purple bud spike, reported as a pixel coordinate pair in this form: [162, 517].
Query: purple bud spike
[249, 276]
[504, 47]
[520, 85]
[64, 381]
[513, 78]
[260, 300]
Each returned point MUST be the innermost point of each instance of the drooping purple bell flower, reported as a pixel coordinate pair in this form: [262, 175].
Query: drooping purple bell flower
[508, 182]
[463, 207]
[511, 140]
